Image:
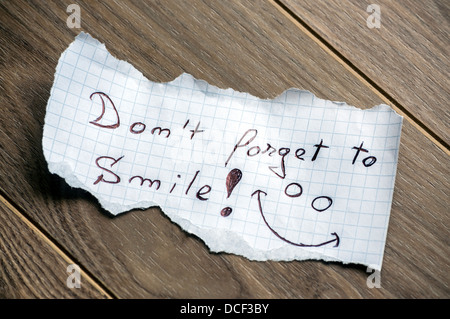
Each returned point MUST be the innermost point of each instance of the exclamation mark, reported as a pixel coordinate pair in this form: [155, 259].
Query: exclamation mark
[233, 178]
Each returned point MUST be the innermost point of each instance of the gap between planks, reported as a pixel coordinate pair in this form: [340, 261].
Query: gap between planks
[55, 247]
[327, 47]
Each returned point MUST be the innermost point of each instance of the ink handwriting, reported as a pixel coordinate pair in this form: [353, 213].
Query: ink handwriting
[249, 136]
[246, 146]
[104, 96]
[101, 178]
[336, 240]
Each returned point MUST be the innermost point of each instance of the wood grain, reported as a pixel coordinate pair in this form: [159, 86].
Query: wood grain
[30, 267]
[247, 46]
[408, 56]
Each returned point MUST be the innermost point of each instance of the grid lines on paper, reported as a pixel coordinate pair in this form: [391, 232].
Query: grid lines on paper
[309, 119]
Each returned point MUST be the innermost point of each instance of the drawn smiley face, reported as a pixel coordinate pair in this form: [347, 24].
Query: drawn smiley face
[314, 205]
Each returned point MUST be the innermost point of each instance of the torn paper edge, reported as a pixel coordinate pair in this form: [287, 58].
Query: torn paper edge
[208, 235]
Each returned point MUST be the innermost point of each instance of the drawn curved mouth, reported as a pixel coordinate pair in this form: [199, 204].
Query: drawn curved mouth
[336, 237]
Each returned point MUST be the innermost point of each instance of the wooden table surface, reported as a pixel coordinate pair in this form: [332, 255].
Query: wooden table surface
[261, 47]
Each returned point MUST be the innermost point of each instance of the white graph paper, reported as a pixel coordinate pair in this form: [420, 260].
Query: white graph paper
[316, 177]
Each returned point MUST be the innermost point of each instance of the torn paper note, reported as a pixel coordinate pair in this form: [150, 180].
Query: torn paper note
[296, 177]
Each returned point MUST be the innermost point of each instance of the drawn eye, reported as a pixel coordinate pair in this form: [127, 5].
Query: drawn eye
[321, 203]
[293, 190]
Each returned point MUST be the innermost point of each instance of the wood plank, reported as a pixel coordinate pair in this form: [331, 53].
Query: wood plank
[408, 56]
[249, 47]
[31, 267]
